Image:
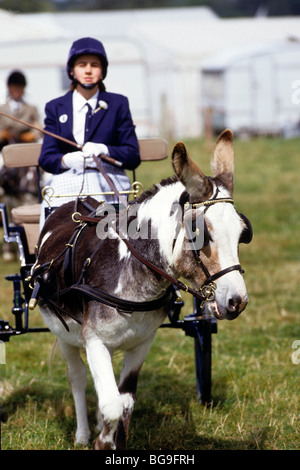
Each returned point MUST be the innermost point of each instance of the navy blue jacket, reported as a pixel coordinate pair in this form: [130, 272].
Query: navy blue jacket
[112, 126]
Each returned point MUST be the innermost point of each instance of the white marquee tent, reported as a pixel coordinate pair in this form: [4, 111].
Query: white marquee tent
[156, 57]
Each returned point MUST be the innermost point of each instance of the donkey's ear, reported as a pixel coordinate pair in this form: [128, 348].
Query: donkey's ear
[222, 163]
[197, 184]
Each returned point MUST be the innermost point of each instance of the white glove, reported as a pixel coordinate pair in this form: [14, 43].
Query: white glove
[90, 149]
[74, 160]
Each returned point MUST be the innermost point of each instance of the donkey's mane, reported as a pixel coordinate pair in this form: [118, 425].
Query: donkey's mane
[149, 193]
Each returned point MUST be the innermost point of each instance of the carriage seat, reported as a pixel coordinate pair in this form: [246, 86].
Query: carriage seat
[27, 155]
[24, 228]
[28, 217]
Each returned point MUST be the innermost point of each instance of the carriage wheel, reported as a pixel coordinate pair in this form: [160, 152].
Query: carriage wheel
[203, 361]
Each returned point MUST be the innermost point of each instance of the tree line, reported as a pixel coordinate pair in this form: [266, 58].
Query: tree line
[223, 8]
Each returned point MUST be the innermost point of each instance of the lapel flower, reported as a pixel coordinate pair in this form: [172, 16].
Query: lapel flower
[102, 105]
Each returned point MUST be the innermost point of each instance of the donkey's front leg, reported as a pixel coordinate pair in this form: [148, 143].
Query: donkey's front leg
[111, 403]
[133, 361]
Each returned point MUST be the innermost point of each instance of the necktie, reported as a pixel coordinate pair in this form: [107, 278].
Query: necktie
[88, 117]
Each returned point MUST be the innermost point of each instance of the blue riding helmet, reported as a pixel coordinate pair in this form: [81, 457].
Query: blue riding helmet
[87, 46]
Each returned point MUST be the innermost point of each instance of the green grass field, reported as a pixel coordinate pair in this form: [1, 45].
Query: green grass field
[255, 382]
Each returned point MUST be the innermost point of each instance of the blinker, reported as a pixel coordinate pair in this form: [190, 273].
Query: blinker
[197, 232]
[202, 236]
[247, 233]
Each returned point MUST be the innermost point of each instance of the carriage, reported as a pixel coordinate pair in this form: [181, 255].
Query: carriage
[24, 231]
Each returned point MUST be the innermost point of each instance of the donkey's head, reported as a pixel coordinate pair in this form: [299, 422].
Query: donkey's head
[212, 229]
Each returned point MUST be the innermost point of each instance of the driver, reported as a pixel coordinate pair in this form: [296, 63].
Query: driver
[93, 118]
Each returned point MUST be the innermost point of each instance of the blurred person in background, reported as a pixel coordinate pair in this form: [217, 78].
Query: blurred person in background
[18, 186]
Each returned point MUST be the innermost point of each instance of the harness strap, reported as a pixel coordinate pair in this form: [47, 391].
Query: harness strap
[68, 265]
[180, 285]
[38, 287]
[42, 267]
[125, 306]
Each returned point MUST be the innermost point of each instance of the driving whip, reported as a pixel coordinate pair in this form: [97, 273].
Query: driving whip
[111, 160]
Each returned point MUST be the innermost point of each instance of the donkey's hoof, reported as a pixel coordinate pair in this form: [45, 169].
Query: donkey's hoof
[101, 445]
[82, 439]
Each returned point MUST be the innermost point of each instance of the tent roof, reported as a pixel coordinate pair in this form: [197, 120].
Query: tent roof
[119, 22]
[194, 41]
[177, 36]
[19, 28]
[233, 56]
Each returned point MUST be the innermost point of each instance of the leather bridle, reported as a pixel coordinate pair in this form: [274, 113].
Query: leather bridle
[196, 252]
[204, 294]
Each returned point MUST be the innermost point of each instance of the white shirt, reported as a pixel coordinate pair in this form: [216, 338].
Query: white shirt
[15, 105]
[79, 111]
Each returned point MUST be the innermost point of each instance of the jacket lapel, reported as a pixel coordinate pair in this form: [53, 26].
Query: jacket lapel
[65, 117]
[99, 113]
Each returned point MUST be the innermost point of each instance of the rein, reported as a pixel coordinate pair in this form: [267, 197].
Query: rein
[109, 181]
[175, 282]
[207, 291]
[204, 294]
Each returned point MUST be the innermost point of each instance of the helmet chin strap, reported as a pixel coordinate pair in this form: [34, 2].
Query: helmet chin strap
[89, 86]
